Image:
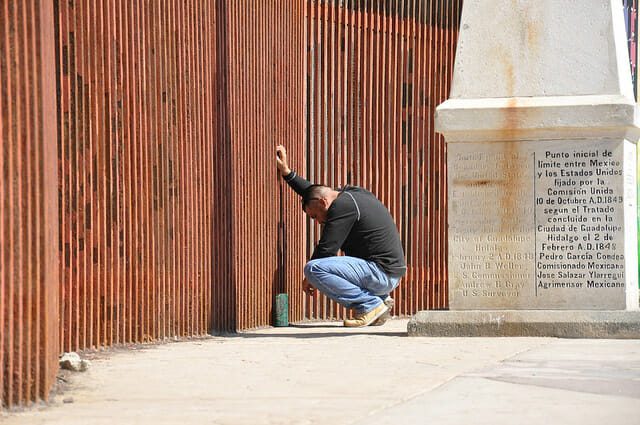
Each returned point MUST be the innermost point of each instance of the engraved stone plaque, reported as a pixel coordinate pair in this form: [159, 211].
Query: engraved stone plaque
[541, 225]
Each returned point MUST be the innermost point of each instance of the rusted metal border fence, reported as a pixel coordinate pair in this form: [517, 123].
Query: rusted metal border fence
[376, 71]
[162, 205]
[173, 221]
[28, 202]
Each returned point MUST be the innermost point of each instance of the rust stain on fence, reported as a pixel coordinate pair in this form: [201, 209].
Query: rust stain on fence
[28, 209]
[376, 71]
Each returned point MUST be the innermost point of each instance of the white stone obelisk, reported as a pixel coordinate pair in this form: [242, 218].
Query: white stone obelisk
[541, 129]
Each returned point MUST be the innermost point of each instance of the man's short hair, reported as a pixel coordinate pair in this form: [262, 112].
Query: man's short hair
[315, 191]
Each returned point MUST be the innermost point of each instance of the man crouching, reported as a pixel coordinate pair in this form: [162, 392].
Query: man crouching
[355, 221]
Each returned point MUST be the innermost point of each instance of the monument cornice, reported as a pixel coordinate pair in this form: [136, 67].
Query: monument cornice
[538, 118]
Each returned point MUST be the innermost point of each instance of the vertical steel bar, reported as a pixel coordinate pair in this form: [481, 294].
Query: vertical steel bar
[431, 146]
[90, 207]
[145, 168]
[28, 201]
[4, 204]
[171, 168]
[48, 350]
[234, 152]
[83, 182]
[189, 184]
[108, 221]
[100, 179]
[423, 138]
[8, 99]
[440, 158]
[20, 224]
[162, 174]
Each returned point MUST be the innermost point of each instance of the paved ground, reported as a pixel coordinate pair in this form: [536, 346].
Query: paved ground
[325, 374]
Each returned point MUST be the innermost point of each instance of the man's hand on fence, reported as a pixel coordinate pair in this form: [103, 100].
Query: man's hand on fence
[281, 160]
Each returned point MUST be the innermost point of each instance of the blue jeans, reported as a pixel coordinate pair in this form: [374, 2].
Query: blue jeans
[351, 282]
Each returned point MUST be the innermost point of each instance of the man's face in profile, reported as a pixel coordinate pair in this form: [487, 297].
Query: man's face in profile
[316, 208]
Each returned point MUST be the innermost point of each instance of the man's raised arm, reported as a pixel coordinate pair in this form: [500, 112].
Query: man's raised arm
[296, 182]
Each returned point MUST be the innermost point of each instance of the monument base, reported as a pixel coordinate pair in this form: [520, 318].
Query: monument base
[532, 323]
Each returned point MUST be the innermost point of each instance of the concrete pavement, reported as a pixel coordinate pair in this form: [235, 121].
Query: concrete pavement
[321, 373]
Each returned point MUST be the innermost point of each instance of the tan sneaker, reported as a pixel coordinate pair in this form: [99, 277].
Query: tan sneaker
[366, 319]
[389, 302]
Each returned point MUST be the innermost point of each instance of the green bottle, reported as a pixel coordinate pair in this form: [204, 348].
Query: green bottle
[281, 311]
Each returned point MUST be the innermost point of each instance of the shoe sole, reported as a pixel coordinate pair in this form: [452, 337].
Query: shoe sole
[389, 302]
[374, 319]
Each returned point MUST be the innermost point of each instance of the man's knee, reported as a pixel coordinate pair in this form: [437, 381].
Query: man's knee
[310, 269]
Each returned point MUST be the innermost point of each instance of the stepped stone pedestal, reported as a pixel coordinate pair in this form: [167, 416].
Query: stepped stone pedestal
[541, 129]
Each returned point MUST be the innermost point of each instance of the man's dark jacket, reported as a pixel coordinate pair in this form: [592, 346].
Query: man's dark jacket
[359, 224]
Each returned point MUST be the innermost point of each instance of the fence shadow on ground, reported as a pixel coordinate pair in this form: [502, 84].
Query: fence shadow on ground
[320, 335]
[320, 330]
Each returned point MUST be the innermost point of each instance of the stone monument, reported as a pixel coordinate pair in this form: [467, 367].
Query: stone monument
[541, 134]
